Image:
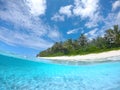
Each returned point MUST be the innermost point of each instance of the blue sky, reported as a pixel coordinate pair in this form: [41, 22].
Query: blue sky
[30, 26]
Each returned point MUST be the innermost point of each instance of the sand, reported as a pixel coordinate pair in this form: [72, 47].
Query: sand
[89, 57]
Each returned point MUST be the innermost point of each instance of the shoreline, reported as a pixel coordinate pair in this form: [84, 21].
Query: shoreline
[104, 56]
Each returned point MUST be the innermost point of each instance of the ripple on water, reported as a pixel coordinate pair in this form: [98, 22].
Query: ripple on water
[47, 76]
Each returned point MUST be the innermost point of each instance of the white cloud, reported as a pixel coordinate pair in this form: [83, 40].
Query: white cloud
[93, 21]
[72, 31]
[116, 5]
[25, 28]
[58, 17]
[88, 9]
[92, 33]
[75, 30]
[118, 18]
[85, 8]
[16, 38]
[111, 20]
[54, 35]
[66, 10]
[37, 7]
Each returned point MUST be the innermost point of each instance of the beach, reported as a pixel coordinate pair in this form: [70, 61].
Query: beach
[104, 56]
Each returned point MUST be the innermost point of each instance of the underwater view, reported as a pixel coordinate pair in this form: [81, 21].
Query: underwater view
[22, 74]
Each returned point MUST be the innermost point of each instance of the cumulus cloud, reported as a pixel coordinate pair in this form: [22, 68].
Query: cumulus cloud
[24, 27]
[66, 10]
[116, 5]
[37, 7]
[57, 17]
[88, 9]
[54, 35]
[85, 8]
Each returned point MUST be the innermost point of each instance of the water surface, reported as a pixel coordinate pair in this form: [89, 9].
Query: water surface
[22, 74]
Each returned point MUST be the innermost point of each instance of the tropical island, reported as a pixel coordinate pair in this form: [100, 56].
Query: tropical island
[84, 47]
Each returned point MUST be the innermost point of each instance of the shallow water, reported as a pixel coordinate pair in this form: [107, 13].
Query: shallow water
[21, 74]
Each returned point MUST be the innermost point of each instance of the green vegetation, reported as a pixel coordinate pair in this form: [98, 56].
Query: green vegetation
[109, 41]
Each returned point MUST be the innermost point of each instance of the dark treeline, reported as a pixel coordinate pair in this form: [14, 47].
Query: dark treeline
[109, 41]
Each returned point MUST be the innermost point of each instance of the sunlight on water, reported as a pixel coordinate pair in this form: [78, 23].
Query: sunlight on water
[21, 74]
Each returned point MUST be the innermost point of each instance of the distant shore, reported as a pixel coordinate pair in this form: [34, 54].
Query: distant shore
[89, 57]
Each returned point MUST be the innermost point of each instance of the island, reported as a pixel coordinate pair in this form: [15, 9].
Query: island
[83, 48]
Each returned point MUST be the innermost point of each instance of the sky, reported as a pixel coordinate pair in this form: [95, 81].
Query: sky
[30, 26]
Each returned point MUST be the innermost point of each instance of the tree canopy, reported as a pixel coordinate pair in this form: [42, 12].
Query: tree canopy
[82, 45]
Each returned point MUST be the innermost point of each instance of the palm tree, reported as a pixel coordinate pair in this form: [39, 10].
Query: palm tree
[68, 43]
[117, 35]
[75, 44]
[82, 40]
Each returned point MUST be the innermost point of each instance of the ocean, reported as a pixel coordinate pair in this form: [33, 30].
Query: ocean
[17, 73]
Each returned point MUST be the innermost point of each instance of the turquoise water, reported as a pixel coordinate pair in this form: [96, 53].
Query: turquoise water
[21, 74]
